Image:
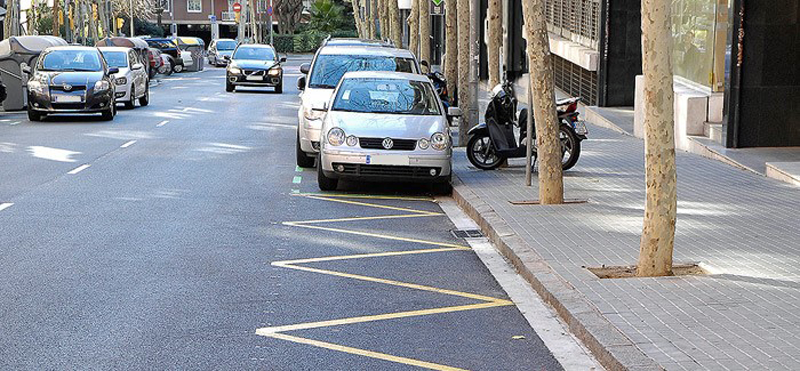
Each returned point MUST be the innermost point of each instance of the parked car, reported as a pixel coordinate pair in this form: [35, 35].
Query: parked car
[385, 126]
[71, 79]
[255, 65]
[329, 64]
[131, 83]
[169, 48]
[154, 58]
[220, 50]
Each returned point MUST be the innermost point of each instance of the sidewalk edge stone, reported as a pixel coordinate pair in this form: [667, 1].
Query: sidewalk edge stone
[611, 348]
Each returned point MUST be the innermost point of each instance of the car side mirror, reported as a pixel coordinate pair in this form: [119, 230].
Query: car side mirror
[305, 67]
[301, 83]
[26, 69]
[453, 111]
[282, 60]
[137, 66]
[113, 70]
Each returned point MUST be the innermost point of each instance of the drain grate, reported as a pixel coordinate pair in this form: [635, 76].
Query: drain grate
[466, 233]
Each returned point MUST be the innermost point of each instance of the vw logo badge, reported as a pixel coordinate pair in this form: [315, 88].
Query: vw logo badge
[388, 143]
[67, 87]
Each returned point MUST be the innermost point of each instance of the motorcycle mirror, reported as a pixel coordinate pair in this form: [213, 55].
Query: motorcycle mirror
[453, 111]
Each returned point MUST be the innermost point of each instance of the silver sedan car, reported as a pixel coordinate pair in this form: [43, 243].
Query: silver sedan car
[385, 126]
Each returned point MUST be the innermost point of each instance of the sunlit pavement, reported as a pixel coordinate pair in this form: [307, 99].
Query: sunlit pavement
[182, 236]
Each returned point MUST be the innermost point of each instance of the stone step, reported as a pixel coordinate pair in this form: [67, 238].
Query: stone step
[788, 172]
[713, 131]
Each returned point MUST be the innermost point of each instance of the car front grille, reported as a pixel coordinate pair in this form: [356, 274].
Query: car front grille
[254, 72]
[73, 88]
[387, 170]
[398, 144]
[72, 106]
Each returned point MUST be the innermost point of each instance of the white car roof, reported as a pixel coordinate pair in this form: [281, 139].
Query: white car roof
[385, 75]
[365, 50]
[114, 48]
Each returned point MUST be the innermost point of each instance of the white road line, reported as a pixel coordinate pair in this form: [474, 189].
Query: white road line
[127, 144]
[162, 123]
[542, 318]
[5, 205]
[79, 169]
[15, 123]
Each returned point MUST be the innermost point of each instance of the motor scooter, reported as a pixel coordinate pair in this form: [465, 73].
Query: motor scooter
[493, 141]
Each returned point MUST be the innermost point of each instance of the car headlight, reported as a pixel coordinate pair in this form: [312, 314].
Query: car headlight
[121, 80]
[234, 70]
[336, 136]
[439, 141]
[423, 143]
[312, 114]
[101, 85]
[274, 72]
[37, 87]
[352, 141]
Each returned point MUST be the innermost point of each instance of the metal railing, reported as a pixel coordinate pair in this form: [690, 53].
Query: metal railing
[576, 20]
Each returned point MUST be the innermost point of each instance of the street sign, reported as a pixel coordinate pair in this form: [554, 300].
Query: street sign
[212, 18]
[237, 7]
[269, 10]
[437, 2]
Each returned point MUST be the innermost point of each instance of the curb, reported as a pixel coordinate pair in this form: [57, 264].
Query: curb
[611, 348]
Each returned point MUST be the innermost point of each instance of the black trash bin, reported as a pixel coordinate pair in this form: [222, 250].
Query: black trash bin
[15, 51]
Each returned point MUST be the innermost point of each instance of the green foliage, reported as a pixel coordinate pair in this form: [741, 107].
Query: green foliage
[143, 27]
[326, 16]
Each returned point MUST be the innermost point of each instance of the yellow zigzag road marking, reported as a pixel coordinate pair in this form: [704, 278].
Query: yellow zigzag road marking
[277, 331]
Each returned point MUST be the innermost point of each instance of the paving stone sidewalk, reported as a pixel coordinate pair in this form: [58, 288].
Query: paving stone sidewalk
[743, 227]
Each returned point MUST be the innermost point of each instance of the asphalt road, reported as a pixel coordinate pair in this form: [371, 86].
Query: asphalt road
[192, 241]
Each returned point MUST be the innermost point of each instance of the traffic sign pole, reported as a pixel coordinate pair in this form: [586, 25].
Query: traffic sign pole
[269, 12]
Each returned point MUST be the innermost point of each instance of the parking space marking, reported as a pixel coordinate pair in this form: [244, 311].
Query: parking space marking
[162, 123]
[127, 144]
[79, 169]
[277, 332]
[297, 179]
[5, 205]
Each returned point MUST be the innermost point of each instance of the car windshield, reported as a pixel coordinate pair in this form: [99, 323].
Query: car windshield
[329, 68]
[115, 59]
[394, 96]
[71, 60]
[162, 44]
[261, 54]
[226, 45]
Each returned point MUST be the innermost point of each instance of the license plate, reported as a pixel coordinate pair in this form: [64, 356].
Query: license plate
[68, 98]
[255, 78]
[399, 160]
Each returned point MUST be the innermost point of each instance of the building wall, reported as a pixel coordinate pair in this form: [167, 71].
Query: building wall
[621, 59]
[763, 93]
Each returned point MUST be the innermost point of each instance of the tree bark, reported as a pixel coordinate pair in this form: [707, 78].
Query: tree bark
[451, 47]
[495, 41]
[357, 19]
[658, 232]
[413, 27]
[464, 101]
[394, 21]
[376, 16]
[92, 22]
[540, 62]
[425, 30]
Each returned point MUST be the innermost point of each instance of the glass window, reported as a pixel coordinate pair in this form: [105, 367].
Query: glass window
[226, 45]
[392, 96]
[697, 31]
[71, 60]
[261, 54]
[115, 59]
[329, 68]
[194, 6]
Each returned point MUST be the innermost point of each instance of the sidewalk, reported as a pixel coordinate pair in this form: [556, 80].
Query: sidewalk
[741, 226]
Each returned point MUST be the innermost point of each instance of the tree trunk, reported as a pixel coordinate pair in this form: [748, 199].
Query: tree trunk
[92, 22]
[56, 10]
[413, 27]
[357, 19]
[425, 30]
[540, 62]
[451, 47]
[495, 40]
[658, 233]
[11, 23]
[376, 16]
[394, 21]
[464, 101]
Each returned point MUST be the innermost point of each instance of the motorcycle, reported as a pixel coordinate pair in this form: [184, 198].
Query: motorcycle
[492, 142]
[439, 83]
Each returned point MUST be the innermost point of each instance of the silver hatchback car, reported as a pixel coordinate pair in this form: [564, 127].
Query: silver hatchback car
[385, 126]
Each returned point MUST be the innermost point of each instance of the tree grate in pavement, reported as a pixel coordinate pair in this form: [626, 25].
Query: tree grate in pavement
[466, 233]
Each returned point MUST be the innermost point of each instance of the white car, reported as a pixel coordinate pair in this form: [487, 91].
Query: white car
[131, 83]
[321, 76]
[385, 126]
[220, 50]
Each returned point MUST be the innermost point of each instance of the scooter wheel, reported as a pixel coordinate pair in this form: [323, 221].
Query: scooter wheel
[480, 152]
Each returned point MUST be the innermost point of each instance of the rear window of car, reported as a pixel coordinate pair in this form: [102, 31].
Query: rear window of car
[226, 45]
[329, 68]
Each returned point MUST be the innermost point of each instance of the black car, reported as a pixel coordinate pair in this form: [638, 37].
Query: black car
[71, 79]
[255, 65]
[172, 51]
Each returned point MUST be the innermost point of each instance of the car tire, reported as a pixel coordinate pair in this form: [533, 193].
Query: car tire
[177, 68]
[279, 88]
[131, 103]
[109, 114]
[228, 86]
[325, 183]
[303, 160]
[34, 116]
[145, 99]
[442, 189]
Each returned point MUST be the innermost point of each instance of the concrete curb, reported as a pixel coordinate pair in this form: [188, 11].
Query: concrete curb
[611, 348]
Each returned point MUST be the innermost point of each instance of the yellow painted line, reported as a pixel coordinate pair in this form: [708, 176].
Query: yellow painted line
[361, 256]
[377, 206]
[365, 353]
[364, 218]
[376, 235]
[370, 197]
[266, 331]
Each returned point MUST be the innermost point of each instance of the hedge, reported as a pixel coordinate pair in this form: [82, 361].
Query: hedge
[306, 42]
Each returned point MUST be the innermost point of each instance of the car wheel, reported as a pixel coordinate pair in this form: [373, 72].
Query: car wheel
[34, 116]
[145, 99]
[325, 183]
[178, 68]
[108, 114]
[228, 86]
[303, 160]
[279, 88]
[442, 189]
[131, 103]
